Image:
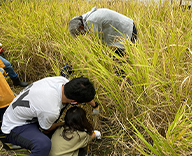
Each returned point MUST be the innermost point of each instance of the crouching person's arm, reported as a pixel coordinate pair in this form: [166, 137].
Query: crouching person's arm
[52, 128]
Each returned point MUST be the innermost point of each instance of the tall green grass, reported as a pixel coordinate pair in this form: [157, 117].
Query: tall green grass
[143, 111]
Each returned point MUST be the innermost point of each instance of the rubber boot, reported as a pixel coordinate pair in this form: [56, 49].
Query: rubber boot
[17, 82]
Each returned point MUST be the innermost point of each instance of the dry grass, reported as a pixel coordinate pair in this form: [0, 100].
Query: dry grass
[141, 111]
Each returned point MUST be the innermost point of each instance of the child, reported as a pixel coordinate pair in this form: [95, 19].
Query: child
[74, 135]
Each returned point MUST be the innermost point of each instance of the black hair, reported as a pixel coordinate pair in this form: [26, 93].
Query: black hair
[75, 119]
[79, 89]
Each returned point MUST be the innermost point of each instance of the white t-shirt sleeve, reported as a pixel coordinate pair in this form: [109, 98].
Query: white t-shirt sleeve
[46, 119]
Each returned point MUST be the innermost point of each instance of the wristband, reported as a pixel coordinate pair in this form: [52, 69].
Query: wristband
[96, 105]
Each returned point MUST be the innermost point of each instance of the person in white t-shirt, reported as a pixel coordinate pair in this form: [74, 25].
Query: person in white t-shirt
[35, 111]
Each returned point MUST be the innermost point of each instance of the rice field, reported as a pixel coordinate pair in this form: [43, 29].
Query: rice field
[144, 111]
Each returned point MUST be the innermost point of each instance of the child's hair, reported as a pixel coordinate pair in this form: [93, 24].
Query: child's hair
[75, 119]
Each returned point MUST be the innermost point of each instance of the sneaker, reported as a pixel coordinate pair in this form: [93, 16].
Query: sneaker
[8, 146]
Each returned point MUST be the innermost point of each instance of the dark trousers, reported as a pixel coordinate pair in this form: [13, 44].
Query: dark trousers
[81, 152]
[30, 137]
[120, 51]
[134, 34]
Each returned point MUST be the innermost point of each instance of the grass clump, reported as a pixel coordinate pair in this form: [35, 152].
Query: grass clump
[147, 110]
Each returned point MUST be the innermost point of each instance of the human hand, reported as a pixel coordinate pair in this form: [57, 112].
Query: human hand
[97, 134]
[62, 124]
[96, 111]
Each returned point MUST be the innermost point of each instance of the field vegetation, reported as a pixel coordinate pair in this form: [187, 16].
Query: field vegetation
[144, 111]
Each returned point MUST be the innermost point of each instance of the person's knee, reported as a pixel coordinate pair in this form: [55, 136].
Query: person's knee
[7, 64]
[45, 144]
[42, 145]
[46, 147]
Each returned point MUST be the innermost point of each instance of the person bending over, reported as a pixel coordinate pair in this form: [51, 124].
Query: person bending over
[110, 25]
[75, 133]
[34, 113]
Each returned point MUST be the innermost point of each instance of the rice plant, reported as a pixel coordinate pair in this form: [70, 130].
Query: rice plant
[147, 109]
